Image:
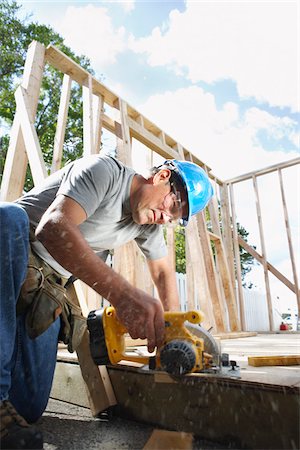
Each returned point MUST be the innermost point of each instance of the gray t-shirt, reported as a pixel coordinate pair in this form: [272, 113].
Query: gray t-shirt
[101, 185]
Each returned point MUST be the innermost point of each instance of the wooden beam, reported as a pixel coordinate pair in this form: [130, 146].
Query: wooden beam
[98, 121]
[66, 65]
[289, 238]
[197, 279]
[213, 281]
[31, 140]
[222, 265]
[149, 139]
[199, 405]
[227, 232]
[264, 255]
[61, 123]
[16, 159]
[264, 171]
[270, 267]
[237, 259]
[88, 116]
[274, 360]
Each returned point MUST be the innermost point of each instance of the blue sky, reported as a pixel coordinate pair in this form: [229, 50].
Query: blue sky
[239, 55]
[221, 77]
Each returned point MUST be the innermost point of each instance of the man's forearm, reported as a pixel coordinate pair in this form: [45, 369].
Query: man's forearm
[68, 247]
[168, 293]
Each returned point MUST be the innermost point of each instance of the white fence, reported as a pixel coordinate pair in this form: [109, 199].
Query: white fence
[256, 308]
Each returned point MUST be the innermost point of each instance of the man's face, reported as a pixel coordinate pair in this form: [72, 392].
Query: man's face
[156, 202]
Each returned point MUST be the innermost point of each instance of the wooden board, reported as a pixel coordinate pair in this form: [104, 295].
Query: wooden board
[278, 360]
[169, 440]
[242, 414]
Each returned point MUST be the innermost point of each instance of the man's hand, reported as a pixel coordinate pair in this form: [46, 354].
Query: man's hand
[143, 317]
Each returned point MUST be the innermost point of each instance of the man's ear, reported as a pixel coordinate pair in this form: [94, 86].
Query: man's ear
[162, 177]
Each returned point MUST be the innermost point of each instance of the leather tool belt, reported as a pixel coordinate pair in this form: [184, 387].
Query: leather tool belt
[45, 295]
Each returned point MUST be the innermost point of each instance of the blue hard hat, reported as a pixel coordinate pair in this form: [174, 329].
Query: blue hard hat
[197, 185]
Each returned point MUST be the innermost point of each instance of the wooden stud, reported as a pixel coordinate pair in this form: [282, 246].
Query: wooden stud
[99, 389]
[213, 282]
[32, 145]
[98, 119]
[264, 256]
[289, 238]
[88, 127]
[16, 158]
[222, 265]
[61, 123]
[237, 260]
[196, 265]
[227, 231]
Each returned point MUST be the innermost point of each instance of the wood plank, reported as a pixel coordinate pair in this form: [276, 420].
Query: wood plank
[61, 123]
[289, 238]
[264, 171]
[149, 139]
[222, 265]
[88, 116]
[271, 268]
[237, 259]
[227, 232]
[98, 119]
[169, 440]
[199, 283]
[124, 151]
[274, 360]
[16, 159]
[66, 65]
[32, 145]
[213, 281]
[199, 405]
[264, 254]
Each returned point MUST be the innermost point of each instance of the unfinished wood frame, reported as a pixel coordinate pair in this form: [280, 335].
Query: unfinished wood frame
[292, 283]
[211, 275]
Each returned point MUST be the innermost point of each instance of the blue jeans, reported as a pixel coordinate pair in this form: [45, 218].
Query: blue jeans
[27, 365]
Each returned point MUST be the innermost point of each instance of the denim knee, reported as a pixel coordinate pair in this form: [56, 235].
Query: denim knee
[13, 217]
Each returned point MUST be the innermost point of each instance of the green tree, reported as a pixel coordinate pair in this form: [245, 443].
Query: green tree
[247, 260]
[15, 36]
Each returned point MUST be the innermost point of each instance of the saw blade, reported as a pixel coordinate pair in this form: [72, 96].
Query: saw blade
[210, 344]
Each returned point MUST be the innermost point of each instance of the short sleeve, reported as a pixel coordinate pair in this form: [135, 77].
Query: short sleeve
[87, 182]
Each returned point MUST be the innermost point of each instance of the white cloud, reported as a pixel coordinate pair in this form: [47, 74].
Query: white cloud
[126, 5]
[89, 31]
[223, 139]
[253, 43]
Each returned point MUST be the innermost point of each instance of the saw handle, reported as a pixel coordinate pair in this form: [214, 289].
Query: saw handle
[115, 332]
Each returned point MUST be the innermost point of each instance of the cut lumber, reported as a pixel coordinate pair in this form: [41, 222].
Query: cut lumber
[280, 360]
[162, 439]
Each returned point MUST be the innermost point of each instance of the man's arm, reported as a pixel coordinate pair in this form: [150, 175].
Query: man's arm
[58, 231]
[164, 278]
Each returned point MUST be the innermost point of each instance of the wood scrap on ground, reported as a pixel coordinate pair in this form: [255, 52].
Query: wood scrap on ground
[169, 440]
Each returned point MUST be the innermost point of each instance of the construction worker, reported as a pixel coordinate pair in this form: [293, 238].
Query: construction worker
[63, 229]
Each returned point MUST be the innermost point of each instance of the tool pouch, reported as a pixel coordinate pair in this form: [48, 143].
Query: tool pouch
[43, 298]
[73, 324]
